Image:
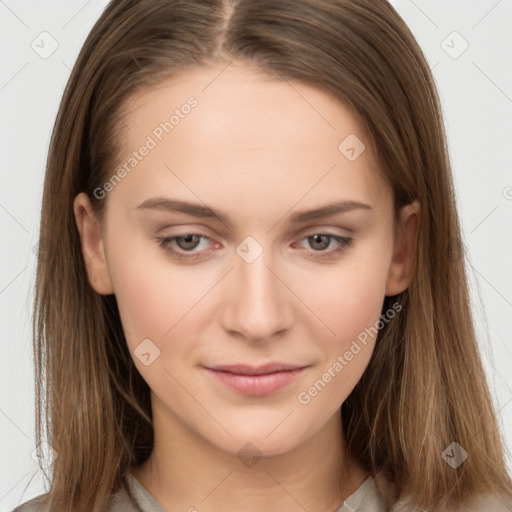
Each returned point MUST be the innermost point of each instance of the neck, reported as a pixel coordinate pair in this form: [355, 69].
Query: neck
[186, 472]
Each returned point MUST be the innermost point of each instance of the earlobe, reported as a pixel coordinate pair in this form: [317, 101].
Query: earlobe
[405, 248]
[92, 245]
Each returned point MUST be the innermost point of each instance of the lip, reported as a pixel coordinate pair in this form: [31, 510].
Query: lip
[256, 381]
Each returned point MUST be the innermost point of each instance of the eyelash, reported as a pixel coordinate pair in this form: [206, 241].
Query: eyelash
[164, 242]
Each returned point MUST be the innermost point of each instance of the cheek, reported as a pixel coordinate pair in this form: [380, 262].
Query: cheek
[349, 306]
[142, 300]
[152, 297]
[348, 298]
[349, 301]
[157, 303]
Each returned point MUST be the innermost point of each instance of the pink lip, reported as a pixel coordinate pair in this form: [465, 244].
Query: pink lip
[256, 381]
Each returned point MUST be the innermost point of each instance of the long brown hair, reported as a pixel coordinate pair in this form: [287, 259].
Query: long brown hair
[424, 387]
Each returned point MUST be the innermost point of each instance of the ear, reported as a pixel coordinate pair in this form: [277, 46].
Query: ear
[92, 245]
[405, 247]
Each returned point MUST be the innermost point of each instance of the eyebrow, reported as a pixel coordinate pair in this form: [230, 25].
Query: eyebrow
[198, 210]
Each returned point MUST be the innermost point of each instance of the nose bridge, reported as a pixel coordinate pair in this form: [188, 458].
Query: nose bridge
[257, 307]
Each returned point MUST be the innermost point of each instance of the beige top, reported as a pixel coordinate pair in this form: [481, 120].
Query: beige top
[365, 499]
[134, 497]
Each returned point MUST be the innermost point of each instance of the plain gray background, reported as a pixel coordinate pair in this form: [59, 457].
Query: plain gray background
[475, 85]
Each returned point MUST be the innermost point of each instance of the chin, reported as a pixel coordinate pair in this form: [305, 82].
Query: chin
[262, 439]
[257, 446]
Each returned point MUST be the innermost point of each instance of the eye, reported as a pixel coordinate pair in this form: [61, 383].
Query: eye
[319, 242]
[185, 243]
[183, 246]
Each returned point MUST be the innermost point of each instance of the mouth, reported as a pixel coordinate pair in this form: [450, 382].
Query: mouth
[256, 381]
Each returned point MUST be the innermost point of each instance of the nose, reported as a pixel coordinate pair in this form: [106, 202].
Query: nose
[258, 305]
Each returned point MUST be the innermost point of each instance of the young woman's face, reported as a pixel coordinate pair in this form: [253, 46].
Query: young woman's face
[221, 267]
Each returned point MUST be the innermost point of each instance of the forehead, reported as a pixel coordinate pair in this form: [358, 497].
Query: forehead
[239, 126]
[244, 106]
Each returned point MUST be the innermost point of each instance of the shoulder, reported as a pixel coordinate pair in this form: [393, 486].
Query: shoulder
[36, 504]
[488, 502]
[366, 498]
[483, 503]
[122, 501]
[119, 502]
[384, 488]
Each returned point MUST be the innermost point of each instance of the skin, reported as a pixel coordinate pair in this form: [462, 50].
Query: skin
[258, 150]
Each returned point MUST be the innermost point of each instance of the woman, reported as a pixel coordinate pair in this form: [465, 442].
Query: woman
[251, 296]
